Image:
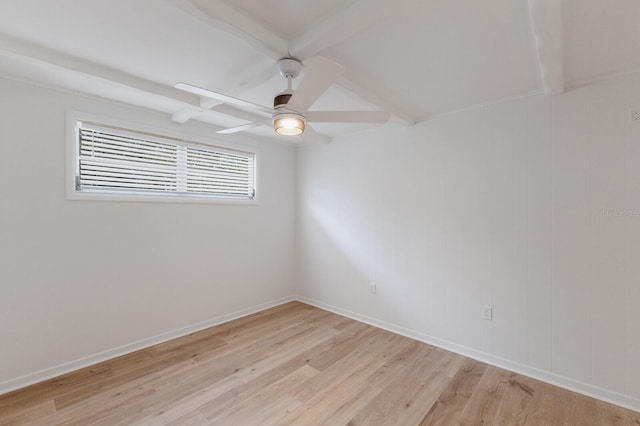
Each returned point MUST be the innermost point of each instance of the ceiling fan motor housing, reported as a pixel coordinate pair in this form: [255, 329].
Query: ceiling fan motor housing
[281, 100]
[289, 67]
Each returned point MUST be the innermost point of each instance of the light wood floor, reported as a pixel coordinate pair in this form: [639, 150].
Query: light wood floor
[299, 365]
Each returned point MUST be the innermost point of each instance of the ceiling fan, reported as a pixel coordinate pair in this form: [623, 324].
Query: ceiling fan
[290, 113]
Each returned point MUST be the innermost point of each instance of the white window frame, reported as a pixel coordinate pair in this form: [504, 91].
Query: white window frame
[74, 118]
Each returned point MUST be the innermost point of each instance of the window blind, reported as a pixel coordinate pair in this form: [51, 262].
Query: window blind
[113, 161]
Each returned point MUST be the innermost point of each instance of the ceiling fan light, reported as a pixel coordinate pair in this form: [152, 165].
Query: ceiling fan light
[289, 124]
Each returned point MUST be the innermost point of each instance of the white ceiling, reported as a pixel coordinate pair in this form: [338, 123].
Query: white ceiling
[413, 58]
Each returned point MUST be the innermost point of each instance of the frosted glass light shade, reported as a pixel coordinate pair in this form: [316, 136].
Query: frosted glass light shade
[289, 124]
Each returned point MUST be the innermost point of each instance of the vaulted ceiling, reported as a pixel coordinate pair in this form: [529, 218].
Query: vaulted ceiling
[413, 58]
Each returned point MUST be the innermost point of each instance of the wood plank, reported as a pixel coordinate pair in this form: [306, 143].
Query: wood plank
[296, 364]
[31, 413]
[227, 401]
[410, 387]
[350, 384]
[270, 404]
[452, 401]
[500, 396]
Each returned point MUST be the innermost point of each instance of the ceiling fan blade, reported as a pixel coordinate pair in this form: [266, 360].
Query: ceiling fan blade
[184, 115]
[237, 112]
[348, 116]
[311, 135]
[321, 74]
[240, 103]
[245, 127]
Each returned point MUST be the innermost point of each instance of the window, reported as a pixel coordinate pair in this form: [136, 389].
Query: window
[124, 163]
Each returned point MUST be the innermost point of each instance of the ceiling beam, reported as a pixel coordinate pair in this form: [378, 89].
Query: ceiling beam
[12, 47]
[355, 18]
[231, 20]
[367, 95]
[358, 16]
[89, 78]
[546, 22]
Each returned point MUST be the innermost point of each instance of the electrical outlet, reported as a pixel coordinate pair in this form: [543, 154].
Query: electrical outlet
[486, 312]
[634, 115]
[372, 287]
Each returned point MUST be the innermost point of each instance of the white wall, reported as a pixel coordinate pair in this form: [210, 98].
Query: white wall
[531, 206]
[80, 277]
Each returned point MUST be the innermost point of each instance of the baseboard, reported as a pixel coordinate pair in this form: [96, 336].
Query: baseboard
[49, 373]
[542, 375]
